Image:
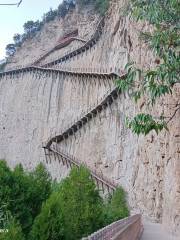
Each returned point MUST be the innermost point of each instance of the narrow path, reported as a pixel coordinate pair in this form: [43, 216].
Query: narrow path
[155, 231]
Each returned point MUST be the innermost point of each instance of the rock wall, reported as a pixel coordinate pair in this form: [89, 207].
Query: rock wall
[36, 106]
[82, 19]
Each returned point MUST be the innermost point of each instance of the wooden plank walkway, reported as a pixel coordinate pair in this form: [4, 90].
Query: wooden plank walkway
[155, 231]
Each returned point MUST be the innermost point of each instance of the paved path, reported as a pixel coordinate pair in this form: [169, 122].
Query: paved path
[154, 231]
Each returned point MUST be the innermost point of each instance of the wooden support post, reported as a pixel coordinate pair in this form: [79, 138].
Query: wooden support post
[54, 156]
[97, 182]
[102, 186]
[49, 156]
[62, 159]
[45, 155]
[59, 158]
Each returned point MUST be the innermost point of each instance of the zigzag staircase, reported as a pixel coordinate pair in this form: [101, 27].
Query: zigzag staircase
[104, 103]
[77, 51]
[71, 161]
[75, 126]
[123, 228]
[87, 46]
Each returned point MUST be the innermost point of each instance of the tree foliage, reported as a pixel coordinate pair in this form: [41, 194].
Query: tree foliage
[10, 49]
[116, 207]
[82, 204]
[31, 28]
[49, 223]
[76, 209]
[164, 42]
[2, 65]
[23, 193]
[33, 208]
[13, 231]
[72, 212]
[101, 6]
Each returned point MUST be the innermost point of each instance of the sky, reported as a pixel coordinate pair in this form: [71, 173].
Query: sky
[13, 18]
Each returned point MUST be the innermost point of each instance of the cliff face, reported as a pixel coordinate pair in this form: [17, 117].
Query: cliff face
[37, 105]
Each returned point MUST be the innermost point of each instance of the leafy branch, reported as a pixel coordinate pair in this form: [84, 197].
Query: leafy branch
[164, 41]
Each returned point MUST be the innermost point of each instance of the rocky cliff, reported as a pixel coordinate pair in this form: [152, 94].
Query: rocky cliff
[38, 104]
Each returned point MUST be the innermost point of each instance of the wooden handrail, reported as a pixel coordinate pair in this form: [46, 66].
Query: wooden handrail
[129, 228]
[89, 44]
[94, 174]
[84, 72]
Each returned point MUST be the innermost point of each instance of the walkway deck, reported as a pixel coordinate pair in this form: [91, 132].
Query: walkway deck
[155, 231]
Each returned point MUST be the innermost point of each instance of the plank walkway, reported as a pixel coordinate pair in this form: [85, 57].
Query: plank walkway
[155, 231]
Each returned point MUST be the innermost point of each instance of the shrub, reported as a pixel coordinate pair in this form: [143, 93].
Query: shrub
[49, 223]
[10, 49]
[23, 193]
[100, 5]
[14, 231]
[81, 204]
[116, 207]
[72, 212]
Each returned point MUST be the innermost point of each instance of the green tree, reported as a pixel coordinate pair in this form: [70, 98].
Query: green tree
[10, 49]
[154, 83]
[82, 204]
[73, 211]
[49, 16]
[116, 208]
[23, 193]
[49, 225]
[31, 27]
[17, 39]
[13, 231]
[100, 5]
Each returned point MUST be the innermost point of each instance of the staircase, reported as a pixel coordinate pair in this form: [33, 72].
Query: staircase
[86, 46]
[101, 181]
[126, 229]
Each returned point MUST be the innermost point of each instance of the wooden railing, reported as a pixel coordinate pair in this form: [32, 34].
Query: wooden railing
[126, 229]
[84, 118]
[101, 181]
[88, 45]
[63, 42]
[72, 71]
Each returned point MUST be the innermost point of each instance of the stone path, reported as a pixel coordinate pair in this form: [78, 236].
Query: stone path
[154, 231]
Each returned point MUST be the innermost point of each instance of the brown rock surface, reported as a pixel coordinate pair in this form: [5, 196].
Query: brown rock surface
[35, 107]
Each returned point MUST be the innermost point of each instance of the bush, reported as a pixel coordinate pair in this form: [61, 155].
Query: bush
[14, 231]
[10, 49]
[2, 66]
[23, 193]
[72, 212]
[100, 5]
[49, 16]
[82, 204]
[116, 207]
[49, 223]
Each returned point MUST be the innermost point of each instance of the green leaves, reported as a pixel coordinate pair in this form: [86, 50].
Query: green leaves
[165, 42]
[144, 123]
[72, 212]
[129, 82]
[14, 231]
[116, 207]
[20, 192]
[156, 11]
